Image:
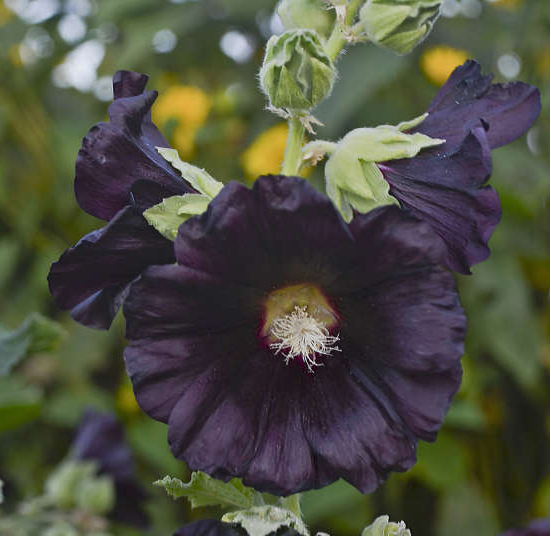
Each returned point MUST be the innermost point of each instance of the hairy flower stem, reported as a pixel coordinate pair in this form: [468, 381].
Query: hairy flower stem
[293, 152]
[337, 40]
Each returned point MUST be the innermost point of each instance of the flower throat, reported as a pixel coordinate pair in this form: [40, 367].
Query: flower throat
[297, 324]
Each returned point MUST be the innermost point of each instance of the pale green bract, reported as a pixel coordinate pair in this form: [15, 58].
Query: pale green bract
[263, 520]
[167, 215]
[399, 25]
[198, 178]
[353, 180]
[202, 490]
[383, 527]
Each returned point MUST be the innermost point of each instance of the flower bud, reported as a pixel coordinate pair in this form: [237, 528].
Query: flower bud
[383, 527]
[310, 14]
[399, 25]
[62, 485]
[297, 73]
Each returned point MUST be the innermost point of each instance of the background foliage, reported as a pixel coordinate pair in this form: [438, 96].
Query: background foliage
[489, 469]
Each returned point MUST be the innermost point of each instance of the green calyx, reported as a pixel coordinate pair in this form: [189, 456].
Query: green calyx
[297, 73]
[399, 25]
[353, 180]
[309, 14]
[167, 215]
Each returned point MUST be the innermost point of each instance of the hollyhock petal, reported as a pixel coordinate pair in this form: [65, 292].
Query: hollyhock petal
[243, 230]
[508, 109]
[536, 527]
[427, 336]
[353, 429]
[114, 155]
[90, 278]
[464, 218]
[145, 194]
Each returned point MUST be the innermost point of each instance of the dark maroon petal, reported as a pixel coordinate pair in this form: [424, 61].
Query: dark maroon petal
[114, 155]
[467, 165]
[211, 527]
[90, 278]
[353, 429]
[145, 194]
[464, 218]
[100, 438]
[467, 97]
[245, 234]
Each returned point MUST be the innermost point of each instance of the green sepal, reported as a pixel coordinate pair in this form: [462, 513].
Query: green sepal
[263, 520]
[36, 334]
[399, 25]
[167, 215]
[383, 527]
[198, 178]
[354, 181]
[296, 73]
[203, 490]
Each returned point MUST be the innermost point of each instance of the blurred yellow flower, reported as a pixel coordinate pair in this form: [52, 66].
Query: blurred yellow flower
[265, 154]
[187, 109]
[126, 401]
[5, 14]
[438, 62]
[508, 4]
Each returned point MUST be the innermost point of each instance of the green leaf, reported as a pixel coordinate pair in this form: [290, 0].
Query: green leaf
[19, 404]
[383, 527]
[202, 490]
[167, 215]
[198, 178]
[263, 520]
[35, 335]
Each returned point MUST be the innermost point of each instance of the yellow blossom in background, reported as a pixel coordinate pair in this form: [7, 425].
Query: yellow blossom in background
[265, 154]
[438, 62]
[507, 4]
[125, 399]
[5, 14]
[188, 107]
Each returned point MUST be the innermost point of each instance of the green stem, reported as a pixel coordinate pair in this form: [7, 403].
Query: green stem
[337, 41]
[293, 151]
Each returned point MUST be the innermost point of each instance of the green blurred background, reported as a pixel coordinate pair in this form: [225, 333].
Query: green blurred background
[489, 469]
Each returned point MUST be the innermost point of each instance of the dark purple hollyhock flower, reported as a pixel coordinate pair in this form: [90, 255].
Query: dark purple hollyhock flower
[444, 185]
[100, 438]
[119, 174]
[537, 527]
[291, 349]
[214, 527]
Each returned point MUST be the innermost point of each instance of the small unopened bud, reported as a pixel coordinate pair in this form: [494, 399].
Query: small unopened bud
[308, 14]
[297, 73]
[62, 485]
[399, 25]
[383, 527]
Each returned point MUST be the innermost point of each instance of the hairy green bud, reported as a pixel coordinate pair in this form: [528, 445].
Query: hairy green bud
[399, 25]
[63, 484]
[309, 14]
[297, 73]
